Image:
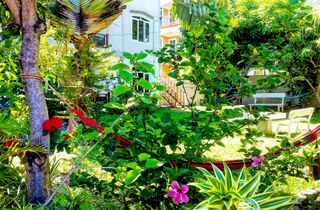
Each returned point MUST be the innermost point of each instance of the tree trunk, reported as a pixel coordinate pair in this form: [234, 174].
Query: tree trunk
[37, 166]
[315, 100]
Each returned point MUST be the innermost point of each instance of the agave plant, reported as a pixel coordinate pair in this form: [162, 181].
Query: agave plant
[226, 192]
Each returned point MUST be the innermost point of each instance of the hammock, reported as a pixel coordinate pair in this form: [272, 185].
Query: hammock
[306, 138]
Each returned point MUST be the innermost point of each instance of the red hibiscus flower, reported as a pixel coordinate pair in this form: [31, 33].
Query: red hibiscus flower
[52, 124]
[56, 122]
[47, 125]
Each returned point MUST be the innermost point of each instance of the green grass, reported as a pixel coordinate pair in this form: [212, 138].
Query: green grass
[294, 186]
[315, 118]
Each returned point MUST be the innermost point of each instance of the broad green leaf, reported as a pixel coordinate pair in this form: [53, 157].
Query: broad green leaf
[146, 100]
[179, 83]
[132, 165]
[127, 55]
[145, 67]
[120, 89]
[141, 55]
[275, 203]
[173, 75]
[126, 75]
[114, 105]
[148, 67]
[160, 87]
[153, 163]
[157, 96]
[145, 84]
[132, 176]
[119, 66]
[143, 156]
[250, 186]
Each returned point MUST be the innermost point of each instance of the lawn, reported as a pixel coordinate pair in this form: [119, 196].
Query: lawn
[231, 152]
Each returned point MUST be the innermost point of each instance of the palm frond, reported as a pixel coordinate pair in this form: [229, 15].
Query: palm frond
[191, 12]
[86, 17]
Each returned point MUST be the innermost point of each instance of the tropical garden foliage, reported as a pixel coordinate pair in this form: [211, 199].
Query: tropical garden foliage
[130, 153]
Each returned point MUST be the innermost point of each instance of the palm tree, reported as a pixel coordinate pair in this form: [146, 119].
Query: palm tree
[85, 17]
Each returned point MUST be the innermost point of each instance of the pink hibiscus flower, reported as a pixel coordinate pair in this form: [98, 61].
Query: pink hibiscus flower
[257, 160]
[178, 193]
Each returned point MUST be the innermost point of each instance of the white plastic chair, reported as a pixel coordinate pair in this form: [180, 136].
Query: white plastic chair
[296, 117]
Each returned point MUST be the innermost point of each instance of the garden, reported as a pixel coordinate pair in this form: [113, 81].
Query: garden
[64, 147]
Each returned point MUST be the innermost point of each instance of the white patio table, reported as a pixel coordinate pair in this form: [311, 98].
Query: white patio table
[265, 124]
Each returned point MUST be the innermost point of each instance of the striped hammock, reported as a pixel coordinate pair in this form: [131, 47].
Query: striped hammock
[304, 139]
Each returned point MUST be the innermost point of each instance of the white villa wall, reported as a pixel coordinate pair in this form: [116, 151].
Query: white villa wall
[120, 31]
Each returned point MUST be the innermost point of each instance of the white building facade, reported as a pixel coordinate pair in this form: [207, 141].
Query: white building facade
[137, 29]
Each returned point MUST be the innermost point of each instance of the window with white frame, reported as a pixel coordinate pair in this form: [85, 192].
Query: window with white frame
[141, 75]
[140, 29]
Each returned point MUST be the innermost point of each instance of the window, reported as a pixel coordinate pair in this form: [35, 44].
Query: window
[101, 40]
[140, 29]
[173, 41]
[140, 75]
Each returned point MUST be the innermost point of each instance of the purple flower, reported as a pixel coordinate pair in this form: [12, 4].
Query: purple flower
[178, 193]
[257, 160]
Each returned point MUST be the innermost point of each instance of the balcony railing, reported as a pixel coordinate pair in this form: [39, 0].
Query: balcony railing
[167, 20]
